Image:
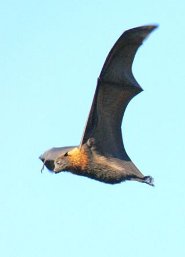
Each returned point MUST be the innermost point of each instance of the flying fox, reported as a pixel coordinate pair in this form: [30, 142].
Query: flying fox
[101, 154]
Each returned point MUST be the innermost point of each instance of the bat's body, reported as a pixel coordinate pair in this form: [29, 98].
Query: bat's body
[101, 154]
[87, 162]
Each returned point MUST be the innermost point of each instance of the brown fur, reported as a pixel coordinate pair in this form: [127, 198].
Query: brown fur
[78, 158]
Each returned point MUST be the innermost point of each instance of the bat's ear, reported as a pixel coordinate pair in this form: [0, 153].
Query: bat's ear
[90, 142]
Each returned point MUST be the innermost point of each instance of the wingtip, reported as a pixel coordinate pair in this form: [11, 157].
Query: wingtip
[148, 29]
[140, 33]
[151, 27]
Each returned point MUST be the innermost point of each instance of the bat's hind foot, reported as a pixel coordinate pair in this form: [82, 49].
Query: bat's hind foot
[148, 180]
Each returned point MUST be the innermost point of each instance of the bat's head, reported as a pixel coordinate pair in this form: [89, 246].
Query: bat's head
[49, 157]
[73, 160]
[62, 163]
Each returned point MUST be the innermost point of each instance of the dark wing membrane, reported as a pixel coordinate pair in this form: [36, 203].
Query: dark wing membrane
[116, 87]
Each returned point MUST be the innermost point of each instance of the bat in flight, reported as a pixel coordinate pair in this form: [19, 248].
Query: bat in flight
[101, 154]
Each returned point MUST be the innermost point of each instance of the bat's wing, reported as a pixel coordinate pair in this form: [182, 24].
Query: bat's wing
[116, 87]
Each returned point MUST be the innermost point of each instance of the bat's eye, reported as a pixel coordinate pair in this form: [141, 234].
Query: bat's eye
[66, 154]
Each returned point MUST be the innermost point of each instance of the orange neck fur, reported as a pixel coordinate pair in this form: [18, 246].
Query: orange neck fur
[78, 158]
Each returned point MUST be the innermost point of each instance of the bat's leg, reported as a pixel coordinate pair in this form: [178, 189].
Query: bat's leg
[147, 179]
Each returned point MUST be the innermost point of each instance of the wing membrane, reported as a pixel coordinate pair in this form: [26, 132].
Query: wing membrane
[116, 87]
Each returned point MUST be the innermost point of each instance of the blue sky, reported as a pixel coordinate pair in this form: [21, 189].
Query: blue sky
[51, 55]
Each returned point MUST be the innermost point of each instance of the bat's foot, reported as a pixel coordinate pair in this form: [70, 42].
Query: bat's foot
[148, 180]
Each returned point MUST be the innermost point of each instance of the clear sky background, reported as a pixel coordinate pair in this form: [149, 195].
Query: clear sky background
[51, 53]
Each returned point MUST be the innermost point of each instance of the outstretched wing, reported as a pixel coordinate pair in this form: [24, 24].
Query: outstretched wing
[116, 87]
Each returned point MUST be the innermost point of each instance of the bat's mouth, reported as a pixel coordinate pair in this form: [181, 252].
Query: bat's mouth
[55, 170]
